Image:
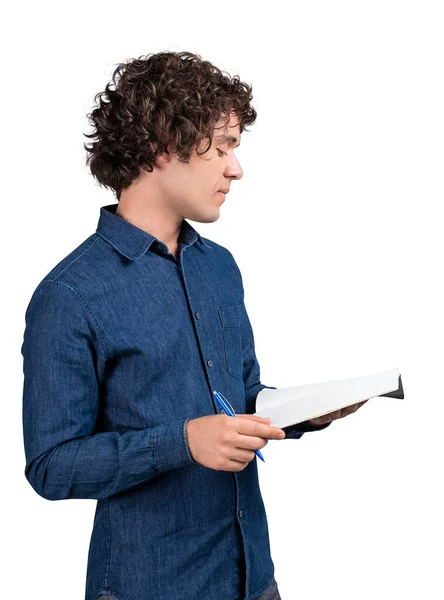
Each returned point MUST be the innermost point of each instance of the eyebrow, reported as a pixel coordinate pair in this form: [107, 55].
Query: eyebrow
[227, 138]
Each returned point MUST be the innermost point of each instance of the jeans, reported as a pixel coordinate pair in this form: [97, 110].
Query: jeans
[271, 593]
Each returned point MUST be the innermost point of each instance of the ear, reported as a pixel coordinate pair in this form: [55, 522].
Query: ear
[166, 156]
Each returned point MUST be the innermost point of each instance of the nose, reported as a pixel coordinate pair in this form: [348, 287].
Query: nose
[233, 169]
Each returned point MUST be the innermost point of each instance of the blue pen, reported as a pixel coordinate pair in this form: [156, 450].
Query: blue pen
[228, 409]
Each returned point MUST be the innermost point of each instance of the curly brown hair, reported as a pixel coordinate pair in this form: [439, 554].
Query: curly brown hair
[165, 98]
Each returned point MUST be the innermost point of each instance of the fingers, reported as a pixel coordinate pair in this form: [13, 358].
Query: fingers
[322, 420]
[243, 455]
[258, 429]
[255, 418]
[351, 409]
[250, 442]
[348, 410]
[326, 418]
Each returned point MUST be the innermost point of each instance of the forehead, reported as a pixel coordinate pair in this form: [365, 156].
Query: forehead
[228, 132]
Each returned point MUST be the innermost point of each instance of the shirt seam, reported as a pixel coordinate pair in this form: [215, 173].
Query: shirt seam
[238, 272]
[77, 258]
[108, 550]
[158, 466]
[96, 325]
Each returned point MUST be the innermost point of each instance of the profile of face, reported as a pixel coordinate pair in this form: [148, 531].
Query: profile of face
[192, 190]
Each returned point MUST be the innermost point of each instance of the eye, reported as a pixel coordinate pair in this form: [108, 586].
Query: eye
[223, 152]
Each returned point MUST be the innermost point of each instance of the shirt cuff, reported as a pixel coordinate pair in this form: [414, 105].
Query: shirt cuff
[171, 447]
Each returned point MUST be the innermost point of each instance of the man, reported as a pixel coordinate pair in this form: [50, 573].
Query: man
[127, 337]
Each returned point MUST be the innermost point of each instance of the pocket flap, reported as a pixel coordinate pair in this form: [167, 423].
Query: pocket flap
[230, 315]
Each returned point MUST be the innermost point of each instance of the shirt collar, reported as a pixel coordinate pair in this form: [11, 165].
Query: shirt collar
[133, 242]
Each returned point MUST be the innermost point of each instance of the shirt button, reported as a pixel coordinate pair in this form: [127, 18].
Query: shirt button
[210, 363]
[197, 315]
[240, 513]
[221, 411]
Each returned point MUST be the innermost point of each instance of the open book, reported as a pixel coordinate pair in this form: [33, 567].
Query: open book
[289, 406]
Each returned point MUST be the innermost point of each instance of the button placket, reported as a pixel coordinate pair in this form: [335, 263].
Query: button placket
[203, 344]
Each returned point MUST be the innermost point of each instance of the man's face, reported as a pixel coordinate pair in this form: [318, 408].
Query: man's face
[192, 190]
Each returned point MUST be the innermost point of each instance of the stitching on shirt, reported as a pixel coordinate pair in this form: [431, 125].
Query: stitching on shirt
[159, 465]
[238, 272]
[119, 249]
[73, 466]
[73, 261]
[204, 240]
[108, 552]
[88, 310]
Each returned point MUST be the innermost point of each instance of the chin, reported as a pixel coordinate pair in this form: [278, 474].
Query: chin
[208, 217]
[216, 216]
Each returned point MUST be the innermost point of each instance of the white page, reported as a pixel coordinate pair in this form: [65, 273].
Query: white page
[288, 406]
[269, 400]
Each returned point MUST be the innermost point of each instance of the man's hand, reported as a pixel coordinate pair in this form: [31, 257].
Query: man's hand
[337, 414]
[226, 444]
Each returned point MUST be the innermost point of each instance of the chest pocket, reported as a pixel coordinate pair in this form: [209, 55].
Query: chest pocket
[230, 317]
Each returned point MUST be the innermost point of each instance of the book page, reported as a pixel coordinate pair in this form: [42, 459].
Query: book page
[289, 406]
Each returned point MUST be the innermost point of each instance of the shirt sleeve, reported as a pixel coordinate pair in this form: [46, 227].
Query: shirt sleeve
[63, 361]
[251, 374]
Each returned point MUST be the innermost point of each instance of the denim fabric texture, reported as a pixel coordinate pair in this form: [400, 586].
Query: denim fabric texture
[271, 593]
[123, 344]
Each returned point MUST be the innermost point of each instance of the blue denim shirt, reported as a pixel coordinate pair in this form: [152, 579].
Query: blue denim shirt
[123, 344]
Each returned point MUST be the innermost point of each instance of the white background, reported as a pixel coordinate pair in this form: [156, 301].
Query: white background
[337, 228]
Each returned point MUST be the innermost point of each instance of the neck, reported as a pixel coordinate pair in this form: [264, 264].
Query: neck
[157, 223]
